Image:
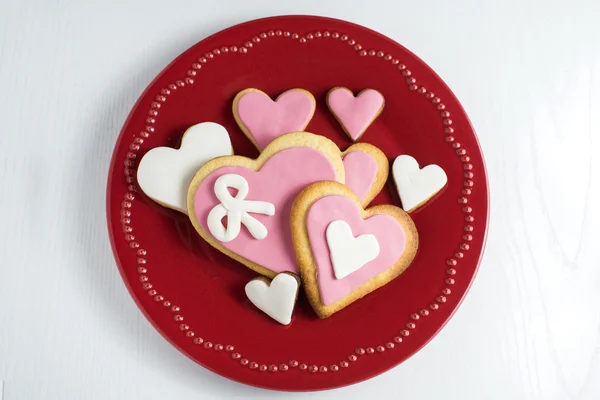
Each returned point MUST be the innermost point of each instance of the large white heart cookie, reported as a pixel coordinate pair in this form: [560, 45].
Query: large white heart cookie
[416, 186]
[164, 174]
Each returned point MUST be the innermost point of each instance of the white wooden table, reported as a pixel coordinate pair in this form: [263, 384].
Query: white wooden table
[528, 74]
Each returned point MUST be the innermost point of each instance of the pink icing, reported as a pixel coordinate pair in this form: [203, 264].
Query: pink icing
[355, 113]
[388, 232]
[267, 119]
[279, 181]
[361, 172]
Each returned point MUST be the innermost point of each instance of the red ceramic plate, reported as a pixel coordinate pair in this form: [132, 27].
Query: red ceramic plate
[194, 295]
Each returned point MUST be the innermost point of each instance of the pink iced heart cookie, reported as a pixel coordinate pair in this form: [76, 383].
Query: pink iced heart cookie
[367, 170]
[345, 252]
[242, 206]
[355, 114]
[262, 120]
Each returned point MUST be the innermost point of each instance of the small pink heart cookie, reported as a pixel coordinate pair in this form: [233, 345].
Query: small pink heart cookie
[262, 120]
[355, 114]
[367, 170]
[345, 252]
[242, 206]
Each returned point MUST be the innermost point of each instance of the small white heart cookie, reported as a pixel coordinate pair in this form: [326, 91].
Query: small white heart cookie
[416, 186]
[164, 173]
[275, 298]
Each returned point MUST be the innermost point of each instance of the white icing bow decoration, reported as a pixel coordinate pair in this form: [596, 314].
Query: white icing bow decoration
[236, 210]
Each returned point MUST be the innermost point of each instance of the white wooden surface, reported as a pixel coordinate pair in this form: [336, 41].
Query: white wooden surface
[528, 73]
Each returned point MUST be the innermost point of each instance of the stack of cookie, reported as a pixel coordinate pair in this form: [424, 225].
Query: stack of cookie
[295, 226]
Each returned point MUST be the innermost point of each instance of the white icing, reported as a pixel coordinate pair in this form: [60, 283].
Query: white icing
[277, 299]
[415, 186]
[164, 174]
[348, 253]
[236, 210]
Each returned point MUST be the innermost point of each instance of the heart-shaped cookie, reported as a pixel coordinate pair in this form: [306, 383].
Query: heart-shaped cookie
[263, 120]
[321, 216]
[416, 186]
[164, 174]
[355, 114]
[367, 170]
[254, 199]
[275, 298]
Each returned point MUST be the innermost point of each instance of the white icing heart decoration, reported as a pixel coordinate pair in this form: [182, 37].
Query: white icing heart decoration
[277, 299]
[164, 174]
[416, 186]
[349, 253]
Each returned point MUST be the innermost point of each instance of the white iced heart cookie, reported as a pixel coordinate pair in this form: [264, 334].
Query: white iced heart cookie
[276, 299]
[416, 186]
[164, 174]
[349, 253]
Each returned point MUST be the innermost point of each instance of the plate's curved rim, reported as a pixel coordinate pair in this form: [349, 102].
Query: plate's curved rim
[113, 164]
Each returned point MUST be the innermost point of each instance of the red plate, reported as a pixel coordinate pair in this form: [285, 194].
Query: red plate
[194, 295]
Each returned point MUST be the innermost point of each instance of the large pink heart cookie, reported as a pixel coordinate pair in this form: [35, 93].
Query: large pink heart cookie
[242, 206]
[355, 114]
[345, 252]
[263, 120]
